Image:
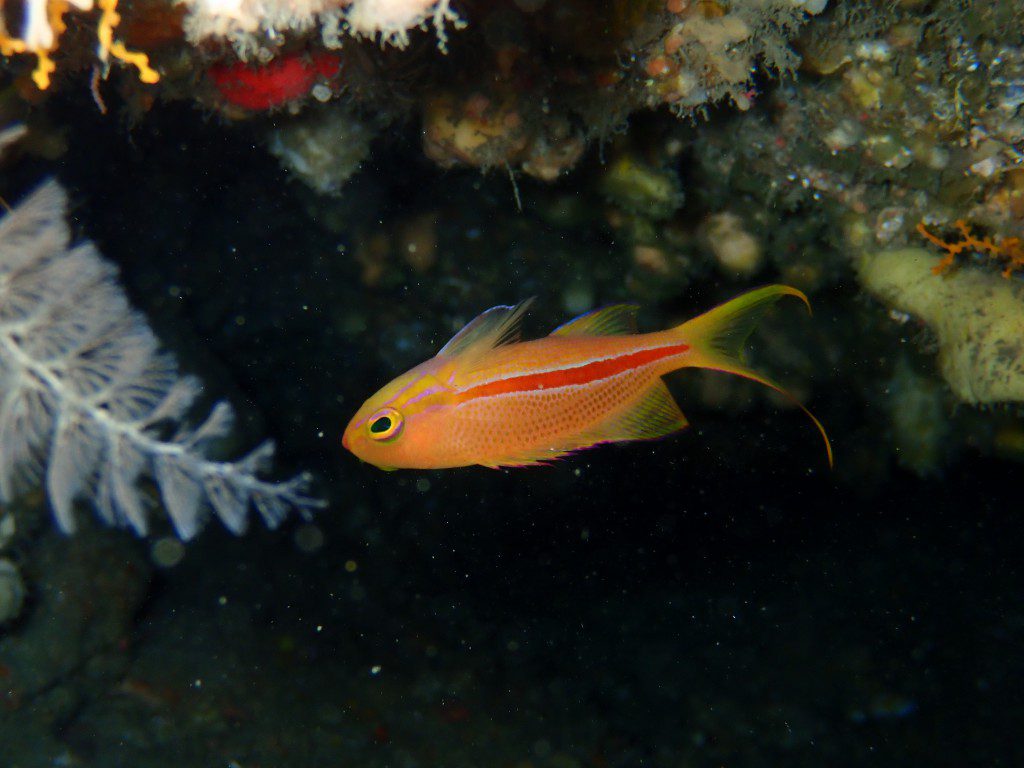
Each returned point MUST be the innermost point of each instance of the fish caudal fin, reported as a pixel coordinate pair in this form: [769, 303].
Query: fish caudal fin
[717, 337]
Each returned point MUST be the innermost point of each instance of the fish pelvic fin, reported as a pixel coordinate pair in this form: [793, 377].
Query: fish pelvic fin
[717, 338]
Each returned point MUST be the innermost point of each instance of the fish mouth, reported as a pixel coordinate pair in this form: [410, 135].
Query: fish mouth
[344, 442]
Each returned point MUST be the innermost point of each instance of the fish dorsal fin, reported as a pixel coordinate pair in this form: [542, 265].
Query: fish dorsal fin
[616, 320]
[493, 328]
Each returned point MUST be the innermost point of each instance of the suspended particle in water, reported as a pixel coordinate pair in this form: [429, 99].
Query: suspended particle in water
[308, 538]
[167, 552]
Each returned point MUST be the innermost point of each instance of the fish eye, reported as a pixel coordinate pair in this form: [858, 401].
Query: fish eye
[385, 424]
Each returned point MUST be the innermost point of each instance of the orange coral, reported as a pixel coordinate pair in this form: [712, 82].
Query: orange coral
[1008, 251]
[43, 25]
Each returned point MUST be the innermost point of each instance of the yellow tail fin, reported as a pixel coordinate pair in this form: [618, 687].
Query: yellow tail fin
[717, 337]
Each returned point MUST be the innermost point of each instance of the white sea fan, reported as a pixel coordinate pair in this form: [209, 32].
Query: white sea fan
[87, 396]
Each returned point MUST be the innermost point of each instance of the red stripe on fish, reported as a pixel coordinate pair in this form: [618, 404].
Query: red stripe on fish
[566, 377]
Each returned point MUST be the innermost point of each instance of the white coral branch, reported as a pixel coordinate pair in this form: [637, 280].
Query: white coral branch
[86, 395]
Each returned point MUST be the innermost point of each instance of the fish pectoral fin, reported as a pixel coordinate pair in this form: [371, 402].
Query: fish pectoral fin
[493, 328]
[616, 320]
[655, 414]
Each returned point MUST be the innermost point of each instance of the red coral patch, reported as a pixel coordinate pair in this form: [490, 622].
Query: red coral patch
[283, 80]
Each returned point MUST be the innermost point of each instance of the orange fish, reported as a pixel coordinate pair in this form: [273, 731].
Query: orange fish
[487, 398]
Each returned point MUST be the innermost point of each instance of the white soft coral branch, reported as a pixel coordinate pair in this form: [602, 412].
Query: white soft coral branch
[37, 31]
[391, 20]
[253, 27]
[86, 395]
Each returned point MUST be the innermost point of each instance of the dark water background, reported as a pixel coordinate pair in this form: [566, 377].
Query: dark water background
[718, 598]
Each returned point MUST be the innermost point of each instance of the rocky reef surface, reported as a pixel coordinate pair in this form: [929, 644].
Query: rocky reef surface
[306, 198]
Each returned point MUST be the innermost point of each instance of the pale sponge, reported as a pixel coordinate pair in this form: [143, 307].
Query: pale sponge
[978, 317]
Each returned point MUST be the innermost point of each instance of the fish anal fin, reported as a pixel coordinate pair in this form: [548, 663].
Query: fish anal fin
[493, 328]
[655, 414]
[616, 320]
